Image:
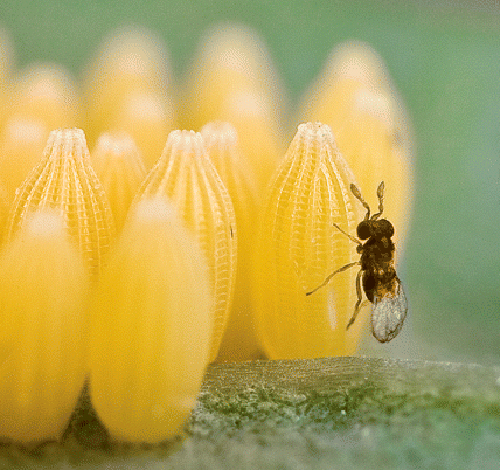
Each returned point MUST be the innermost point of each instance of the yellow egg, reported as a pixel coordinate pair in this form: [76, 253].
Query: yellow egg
[46, 93]
[221, 141]
[355, 96]
[150, 327]
[231, 58]
[128, 87]
[43, 341]
[233, 79]
[21, 146]
[186, 176]
[120, 169]
[299, 246]
[148, 118]
[65, 180]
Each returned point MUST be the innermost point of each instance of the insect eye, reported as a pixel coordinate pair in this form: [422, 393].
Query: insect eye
[363, 230]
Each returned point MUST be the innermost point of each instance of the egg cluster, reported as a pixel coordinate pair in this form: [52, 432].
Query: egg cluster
[136, 263]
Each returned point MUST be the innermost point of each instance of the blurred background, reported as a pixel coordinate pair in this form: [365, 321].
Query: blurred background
[443, 57]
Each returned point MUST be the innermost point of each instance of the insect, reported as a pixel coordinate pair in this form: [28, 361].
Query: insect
[377, 275]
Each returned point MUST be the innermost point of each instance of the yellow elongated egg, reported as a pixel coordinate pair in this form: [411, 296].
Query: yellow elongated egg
[221, 141]
[150, 327]
[355, 96]
[233, 79]
[366, 140]
[43, 340]
[119, 167]
[186, 176]
[128, 87]
[351, 67]
[46, 93]
[148, 118]
[299, 246]
[64, 179]
[230, 58]
[21, 146]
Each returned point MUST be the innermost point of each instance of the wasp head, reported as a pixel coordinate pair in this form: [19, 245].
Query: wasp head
[363, 230]
[375, 228]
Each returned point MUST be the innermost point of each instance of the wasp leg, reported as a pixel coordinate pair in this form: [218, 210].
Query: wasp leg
[327, 280]
[357, 194]
[359, 294]
[380, 196]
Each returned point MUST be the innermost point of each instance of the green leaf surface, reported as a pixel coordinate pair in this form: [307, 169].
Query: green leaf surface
[345, 412]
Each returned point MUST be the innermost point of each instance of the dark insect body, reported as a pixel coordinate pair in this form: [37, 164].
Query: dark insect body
[377, 275]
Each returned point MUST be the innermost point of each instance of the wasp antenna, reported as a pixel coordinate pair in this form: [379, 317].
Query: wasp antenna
[380, 196]
[357, 194]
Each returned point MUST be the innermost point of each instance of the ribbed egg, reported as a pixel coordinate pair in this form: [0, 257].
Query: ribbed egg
[21, 146]
[46, 93]
[186, 176]
[150, 327]
[44, 286]
[128, 87]
[65, 180]
[120, 169]
[221, 141]
[299, 246]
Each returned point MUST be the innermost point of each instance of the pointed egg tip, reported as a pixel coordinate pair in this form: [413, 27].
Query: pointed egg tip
[235, 46]
[185, 142]
[357, 61]
[70, 134]
[68, 142]
[315, 130]
[134, 50]
[46, 80]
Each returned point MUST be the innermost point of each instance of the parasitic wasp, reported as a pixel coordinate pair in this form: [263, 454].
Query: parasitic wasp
[377, 275]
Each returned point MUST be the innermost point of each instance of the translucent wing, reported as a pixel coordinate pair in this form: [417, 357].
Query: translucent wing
[388, 313]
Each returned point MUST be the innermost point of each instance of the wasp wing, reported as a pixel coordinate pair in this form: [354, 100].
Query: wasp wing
[388, 313]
